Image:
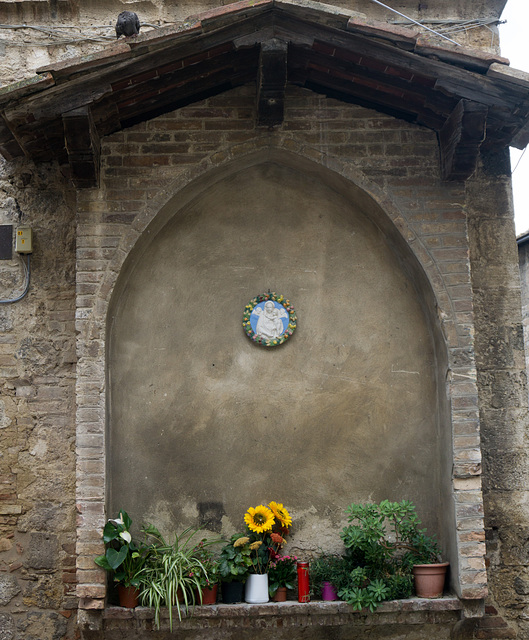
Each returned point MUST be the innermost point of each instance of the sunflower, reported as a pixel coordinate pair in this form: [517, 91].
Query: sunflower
[259, 519]
[281, 514]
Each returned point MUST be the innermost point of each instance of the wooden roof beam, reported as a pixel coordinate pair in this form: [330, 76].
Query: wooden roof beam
[83, 146]
[9, 145]
[271, 82]
[460, 139]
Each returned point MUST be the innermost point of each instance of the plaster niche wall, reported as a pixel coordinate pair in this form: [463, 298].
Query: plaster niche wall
[201, 422]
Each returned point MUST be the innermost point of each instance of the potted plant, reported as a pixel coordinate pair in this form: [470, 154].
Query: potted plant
[123, 558]
[282, 574]
[210, 579]
[429, 571]
[234, 567]
[380, 541]
[328, 574]
[266, 526]
[172, 574]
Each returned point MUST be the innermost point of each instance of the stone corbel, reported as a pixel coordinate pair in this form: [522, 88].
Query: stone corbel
[460, 139]
[83, 145]
[271, 82]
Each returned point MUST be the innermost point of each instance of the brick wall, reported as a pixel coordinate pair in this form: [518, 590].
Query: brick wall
[144, 167]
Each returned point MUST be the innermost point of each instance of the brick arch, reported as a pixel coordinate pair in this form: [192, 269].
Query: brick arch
[217, 166]
[340, 175]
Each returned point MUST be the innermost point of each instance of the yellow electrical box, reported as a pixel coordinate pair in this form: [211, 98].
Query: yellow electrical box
[24, 240]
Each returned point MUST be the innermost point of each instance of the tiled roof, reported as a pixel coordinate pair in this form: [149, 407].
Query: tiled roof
[470, 97]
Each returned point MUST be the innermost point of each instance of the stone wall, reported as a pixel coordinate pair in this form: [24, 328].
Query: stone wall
[37, 406]
[144, 169]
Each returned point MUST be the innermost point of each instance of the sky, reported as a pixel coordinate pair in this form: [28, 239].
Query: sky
[514, 45]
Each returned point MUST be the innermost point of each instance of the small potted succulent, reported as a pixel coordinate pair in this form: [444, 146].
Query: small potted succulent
[328, 574]
[124, 558]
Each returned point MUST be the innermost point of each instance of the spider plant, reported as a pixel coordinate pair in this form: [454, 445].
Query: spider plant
[173, 573]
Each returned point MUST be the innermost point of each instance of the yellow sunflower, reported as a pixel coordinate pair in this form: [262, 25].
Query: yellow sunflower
[259, 519]
[281, 514]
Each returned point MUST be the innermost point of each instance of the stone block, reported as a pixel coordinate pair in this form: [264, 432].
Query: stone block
[7, 627]
[43, 551]
[9, 588]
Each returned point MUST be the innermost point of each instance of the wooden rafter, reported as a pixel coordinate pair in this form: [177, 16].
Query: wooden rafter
[271, 82]
[460, 139]
[82, 145]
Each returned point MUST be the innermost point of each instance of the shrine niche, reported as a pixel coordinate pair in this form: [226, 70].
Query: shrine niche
[358, 388]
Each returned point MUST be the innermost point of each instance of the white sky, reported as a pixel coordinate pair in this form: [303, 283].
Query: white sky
[514, 45]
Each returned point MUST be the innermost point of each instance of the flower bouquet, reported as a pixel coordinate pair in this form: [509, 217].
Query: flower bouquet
[267, 527]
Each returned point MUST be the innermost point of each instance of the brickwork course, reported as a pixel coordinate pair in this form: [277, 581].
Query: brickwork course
[53, 344]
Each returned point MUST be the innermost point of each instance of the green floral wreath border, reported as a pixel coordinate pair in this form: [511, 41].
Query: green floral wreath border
[292, 320]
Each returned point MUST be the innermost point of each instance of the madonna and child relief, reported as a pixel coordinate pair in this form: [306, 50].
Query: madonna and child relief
[269, 319]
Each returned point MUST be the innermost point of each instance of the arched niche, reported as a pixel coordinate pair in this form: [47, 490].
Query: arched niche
[202, 424]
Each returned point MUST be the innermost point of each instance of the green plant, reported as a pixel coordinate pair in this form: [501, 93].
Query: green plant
[123, 558]
[329, 568]
[282, 573]
[210, 564]
[235, 562]
[384, 541]
[173, 573]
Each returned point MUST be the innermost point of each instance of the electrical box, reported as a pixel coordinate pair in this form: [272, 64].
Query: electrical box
[24, 240]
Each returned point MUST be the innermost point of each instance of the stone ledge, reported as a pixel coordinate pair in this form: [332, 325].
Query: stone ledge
[411, 611]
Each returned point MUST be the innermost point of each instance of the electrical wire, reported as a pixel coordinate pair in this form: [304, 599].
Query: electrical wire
[26, 283]
[402, 15]
[519, 160]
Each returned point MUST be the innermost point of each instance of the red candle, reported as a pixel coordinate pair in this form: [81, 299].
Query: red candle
[303, 582]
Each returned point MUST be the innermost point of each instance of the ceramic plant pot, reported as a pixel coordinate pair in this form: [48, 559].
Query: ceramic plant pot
[256, 588]
[328, 591]
[430, 579]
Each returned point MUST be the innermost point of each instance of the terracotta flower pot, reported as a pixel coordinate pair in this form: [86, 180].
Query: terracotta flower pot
[128, 596]
[280, 595]
[430, 579]
[209, 595]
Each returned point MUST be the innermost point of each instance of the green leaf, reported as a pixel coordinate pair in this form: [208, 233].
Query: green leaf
[103, 562]
[116, 558]
[110, 532]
